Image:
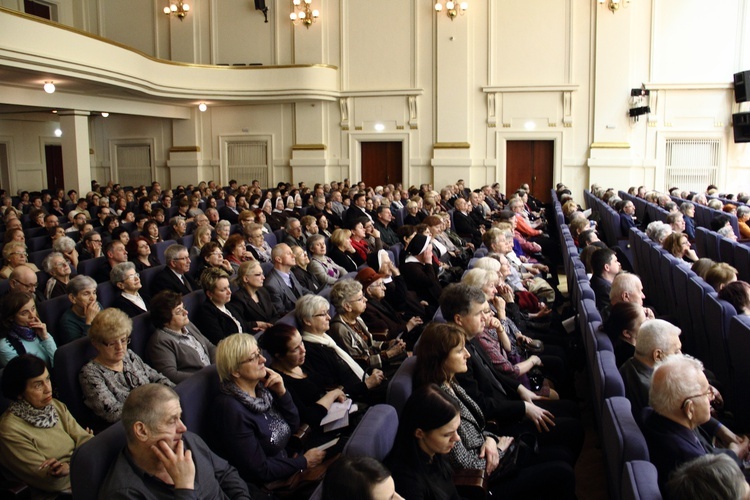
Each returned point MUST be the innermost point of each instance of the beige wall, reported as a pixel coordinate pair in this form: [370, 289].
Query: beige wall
[509, 69]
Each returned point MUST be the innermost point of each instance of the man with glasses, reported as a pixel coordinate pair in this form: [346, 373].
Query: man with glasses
[174, 276]
[23, 279]
[91, 246]
[283, 286]
[680, 399]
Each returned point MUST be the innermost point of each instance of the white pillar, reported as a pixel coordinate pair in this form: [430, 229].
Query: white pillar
[75, 149]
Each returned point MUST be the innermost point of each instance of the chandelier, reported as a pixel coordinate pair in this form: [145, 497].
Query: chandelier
[302, 12]
[179, 9]
[453, 9]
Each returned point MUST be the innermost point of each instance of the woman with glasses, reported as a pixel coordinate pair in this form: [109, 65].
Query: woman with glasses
[177, 349]
[21, 330]
[334, 365]
[107, 379]
[351, 334]
[254, 415]
[59, 271]
[75, 322]
[15, 254]
[251, 301]
[140, 254]
[257, 245]
[212, 257]
[127, 281]
[39, 433]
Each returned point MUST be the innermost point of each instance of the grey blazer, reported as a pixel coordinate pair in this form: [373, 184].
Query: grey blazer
[282, 296]
[174, 359]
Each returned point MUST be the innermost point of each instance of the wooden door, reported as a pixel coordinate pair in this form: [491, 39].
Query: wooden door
[530, 162]
[54, 160]
[381, 163]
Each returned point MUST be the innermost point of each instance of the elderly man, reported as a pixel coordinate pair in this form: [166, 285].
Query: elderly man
[174, 276]
[283, 286]
[177, 228]
[293, 233]
[680, 399]
[229, 211]
[626, 287]
[162, 460]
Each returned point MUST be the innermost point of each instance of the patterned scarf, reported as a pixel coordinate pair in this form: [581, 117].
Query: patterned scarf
[44, 418]
[22, 333]
[260, 404]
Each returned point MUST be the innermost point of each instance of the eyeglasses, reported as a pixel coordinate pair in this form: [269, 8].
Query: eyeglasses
[182, 258]
[709, 394]
[123, 341]
[252, 358]
[131, 277]
[321, 315]
[27, 285]
[20, 253]
[377, 285]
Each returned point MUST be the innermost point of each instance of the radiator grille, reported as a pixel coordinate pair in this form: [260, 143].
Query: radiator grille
[247, 161]
[692, 164]
[134, 164]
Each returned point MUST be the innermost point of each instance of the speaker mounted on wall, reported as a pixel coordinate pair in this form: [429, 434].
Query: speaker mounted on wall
[741, 125]
[741, 83]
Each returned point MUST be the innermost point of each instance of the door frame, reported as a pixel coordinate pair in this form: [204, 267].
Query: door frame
[501, 142]
[7, 141]
[355, 147]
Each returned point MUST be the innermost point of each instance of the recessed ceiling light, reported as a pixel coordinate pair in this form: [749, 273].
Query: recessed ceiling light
[49, 87]
[202, 107]
[105, 114]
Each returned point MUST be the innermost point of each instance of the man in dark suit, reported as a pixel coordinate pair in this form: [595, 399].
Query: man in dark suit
[680, 399]
[465, 225]
[229, 210]
[174, 276]
[514, 407]
[283, 286]
[356, 211]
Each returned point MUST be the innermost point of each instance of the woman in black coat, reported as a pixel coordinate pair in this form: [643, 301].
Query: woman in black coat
[216, 318]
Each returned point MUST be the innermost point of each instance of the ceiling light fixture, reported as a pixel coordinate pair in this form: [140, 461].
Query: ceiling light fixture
[202, 107]
[49, 87]
[179, 9]
[105, 114]
[453, 9]
[302, 12]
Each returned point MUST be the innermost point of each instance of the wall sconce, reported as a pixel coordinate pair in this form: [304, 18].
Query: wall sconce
[49, 87]
[614, 5]
[453, 9]
[302, 12]
[179, 9]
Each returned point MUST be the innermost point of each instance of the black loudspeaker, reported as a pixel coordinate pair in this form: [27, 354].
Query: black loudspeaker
[741, 82]
[741, 122]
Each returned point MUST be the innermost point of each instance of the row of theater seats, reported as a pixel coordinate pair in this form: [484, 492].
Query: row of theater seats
[630, 474]
[374, 436]
[715, 247]
[711, 328]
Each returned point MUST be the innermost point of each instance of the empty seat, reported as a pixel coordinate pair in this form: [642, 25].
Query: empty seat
[640, 481]
[69, 359]
[718, 315]
[622, 440]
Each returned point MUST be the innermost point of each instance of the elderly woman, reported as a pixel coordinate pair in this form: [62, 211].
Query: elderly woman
[325, 270]
[324, 224]
[251, 301]
[335, 366]
[254, 416]
[688, 215]
[235, 252]
[262, 220]
[128, 282]
[309, 393]
[222, 232]
[216, 317]
[14, 255]
[309, 226]
[177, 349]
[59, 271]
[15, 234]
[39, 433]
[419, 271]
[107, 379]
[363, 244]
[67, 247]
[351, 334]
[413, 214]
[678, 245]
[743, 216]
[140, 254]
[680, 399]
[21, 330]
[201, 237]
[441, 356]
[342, 252]
[257, 245]
[75, 322]
[302, 270]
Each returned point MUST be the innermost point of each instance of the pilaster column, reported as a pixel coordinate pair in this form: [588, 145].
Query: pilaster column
[74, 125]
